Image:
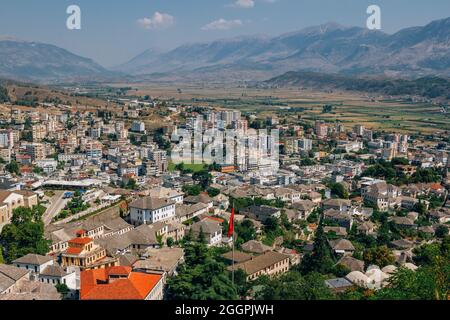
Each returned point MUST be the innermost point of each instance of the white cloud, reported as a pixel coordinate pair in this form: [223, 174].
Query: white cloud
[222, 24]
[157, 21]
[244, 3]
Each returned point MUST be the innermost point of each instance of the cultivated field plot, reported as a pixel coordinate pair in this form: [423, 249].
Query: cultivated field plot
[349, 108]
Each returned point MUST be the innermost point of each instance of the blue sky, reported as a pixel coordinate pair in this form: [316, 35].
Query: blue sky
[115, 31]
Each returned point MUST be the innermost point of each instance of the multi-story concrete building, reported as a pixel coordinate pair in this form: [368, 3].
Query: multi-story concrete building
[6, 139]
[39, 132]
[321, 129]
[36, 151]
[305, 144]
[150, 210]
[138, 126]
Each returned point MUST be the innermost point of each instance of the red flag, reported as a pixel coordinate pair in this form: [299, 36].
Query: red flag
[231, 224]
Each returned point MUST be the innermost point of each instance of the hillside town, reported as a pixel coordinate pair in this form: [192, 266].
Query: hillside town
[98, 205]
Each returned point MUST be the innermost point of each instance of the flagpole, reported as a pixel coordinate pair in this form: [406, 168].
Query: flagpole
[232, 238]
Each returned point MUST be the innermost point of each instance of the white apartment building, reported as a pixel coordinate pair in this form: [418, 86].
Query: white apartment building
[150, 210]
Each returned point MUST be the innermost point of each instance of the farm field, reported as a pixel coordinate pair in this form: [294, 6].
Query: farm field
[384, 113]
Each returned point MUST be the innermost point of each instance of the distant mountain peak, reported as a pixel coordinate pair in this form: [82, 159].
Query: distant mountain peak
[326, 48]
[35, 61]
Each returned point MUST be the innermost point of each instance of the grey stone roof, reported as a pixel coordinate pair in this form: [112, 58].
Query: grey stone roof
[260, 262]
[342, 244]
[207, 226]
[149, 203]
[255, 247]
[9, 276]
[352, 263]
[54, 271]
[33, 259]
[338, 283]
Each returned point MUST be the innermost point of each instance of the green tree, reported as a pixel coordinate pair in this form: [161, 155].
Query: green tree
[338, 189]
[426, 253]
[189, 236]
[380, 256]
[131, 185]
[426, 283]
[320, 260]
[240, 282]
[13, 167]
[201, 236]
[62, 288]
[294, 286]
[170, 242]
[203, 178]
[194, 190]
[245, 231]
[25, 234]
[212, 192]
[441, 231]
[38, 170]
[202, 277]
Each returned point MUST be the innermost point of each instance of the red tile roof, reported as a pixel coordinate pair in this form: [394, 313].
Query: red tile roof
[81, 240]
[220, 220]
[74, 250]
[136, 287]
[119, 270]
[436, 186]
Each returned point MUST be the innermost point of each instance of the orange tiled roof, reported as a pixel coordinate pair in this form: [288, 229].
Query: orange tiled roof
[74, 250]
[136, 287]
[119, 270]
[215, 219]
[436, 186]
[80, 232]
[85, 240]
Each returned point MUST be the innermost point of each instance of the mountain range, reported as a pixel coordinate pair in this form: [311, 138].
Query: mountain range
[330, 48]
[40, 62]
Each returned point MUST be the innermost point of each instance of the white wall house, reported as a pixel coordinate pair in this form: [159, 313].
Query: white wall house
[211, 230]
[150, 210]
[34, 263]
[56, 274]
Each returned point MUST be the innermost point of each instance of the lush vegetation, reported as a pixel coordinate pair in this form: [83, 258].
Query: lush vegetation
[387, 170]
[13, 167]
[430, 87]
[338, 190]
[160, 140]
[201, 277]
[25, 234]
[74, 206]
[241, 203]
[294, 286]
[321, 258]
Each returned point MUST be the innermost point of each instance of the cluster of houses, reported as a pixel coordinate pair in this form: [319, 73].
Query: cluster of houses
[127, 250]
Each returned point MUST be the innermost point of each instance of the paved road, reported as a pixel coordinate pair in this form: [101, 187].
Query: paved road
[57, 203]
